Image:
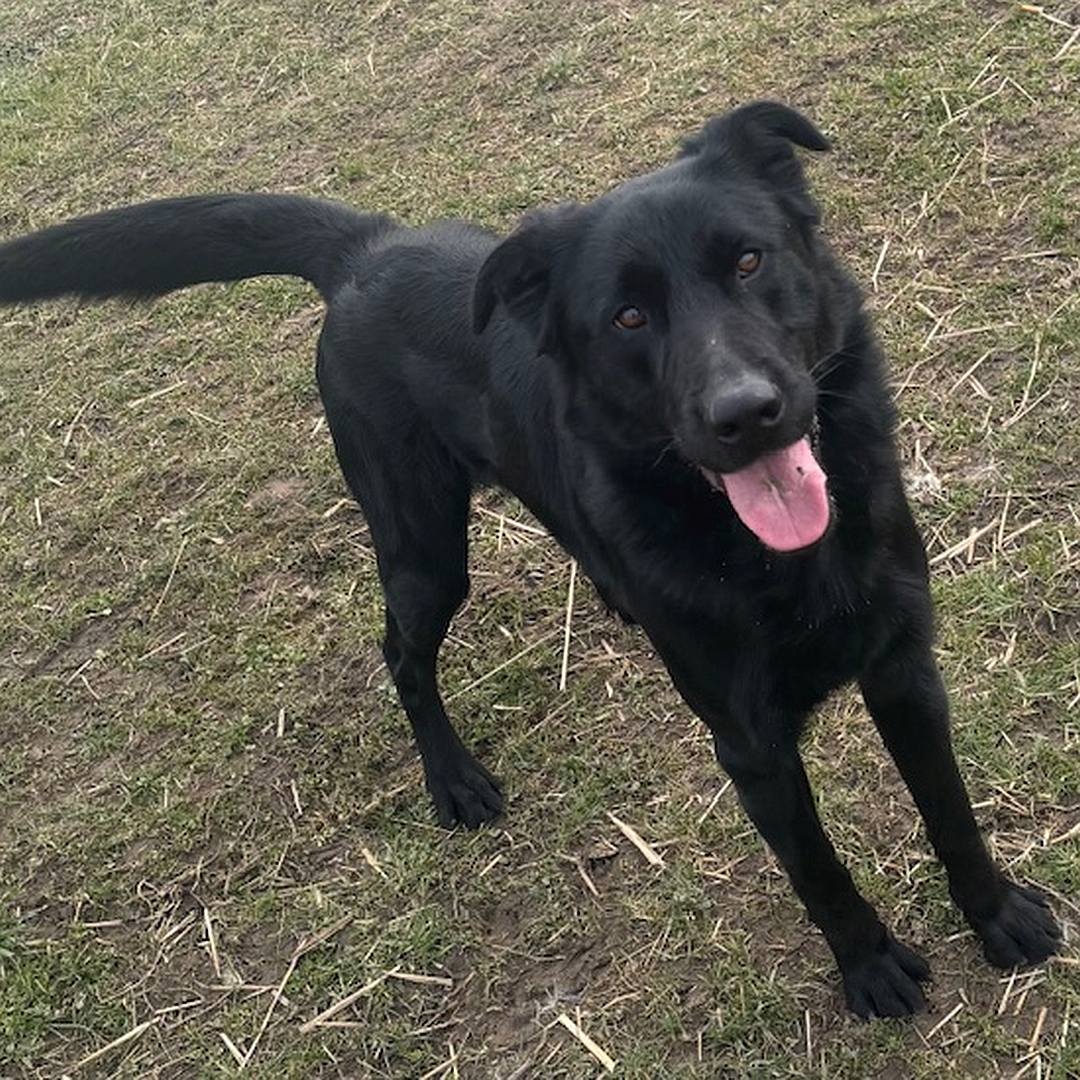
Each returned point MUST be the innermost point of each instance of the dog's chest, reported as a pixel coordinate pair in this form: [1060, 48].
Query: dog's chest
[816, 641]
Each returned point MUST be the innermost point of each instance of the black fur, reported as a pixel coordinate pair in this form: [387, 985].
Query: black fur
[608, 362]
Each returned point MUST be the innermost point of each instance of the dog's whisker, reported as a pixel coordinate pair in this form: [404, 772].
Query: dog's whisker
[668, 448]
[825, 394]
[823, 368]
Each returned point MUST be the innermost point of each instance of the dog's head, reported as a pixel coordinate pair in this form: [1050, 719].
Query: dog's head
[690, 306]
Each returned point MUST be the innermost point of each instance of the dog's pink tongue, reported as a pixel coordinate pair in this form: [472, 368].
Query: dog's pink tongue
[781, 498]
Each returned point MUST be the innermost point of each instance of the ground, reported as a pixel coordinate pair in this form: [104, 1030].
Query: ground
[215, 852]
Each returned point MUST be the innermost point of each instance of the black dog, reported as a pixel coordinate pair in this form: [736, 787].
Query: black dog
[680, 381]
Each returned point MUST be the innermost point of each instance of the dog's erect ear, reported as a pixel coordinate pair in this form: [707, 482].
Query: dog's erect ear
[518, 272]
[760, 136]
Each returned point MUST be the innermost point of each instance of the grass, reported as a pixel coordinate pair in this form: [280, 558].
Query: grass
[212, 826]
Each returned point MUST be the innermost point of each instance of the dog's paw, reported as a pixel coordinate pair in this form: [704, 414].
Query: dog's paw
[465, 793]
[1022, 931]
[885, 982]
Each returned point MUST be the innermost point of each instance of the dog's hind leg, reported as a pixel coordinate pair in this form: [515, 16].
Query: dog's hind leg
[415, 497]
[419, 604]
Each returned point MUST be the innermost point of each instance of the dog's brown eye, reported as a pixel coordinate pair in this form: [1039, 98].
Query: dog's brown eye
[631, 318]
[749, 262]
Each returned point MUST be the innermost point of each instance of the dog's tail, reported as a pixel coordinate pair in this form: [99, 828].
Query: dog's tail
[154, 247]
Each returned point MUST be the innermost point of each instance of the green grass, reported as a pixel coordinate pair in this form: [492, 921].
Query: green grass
[205, 768]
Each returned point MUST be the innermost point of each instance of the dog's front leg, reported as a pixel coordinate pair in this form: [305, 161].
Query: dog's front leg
[906, 698]
[758, 748]
[881, 976]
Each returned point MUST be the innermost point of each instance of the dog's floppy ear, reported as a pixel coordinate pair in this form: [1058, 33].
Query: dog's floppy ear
[759, 126]
[759, 136]
[519, 271]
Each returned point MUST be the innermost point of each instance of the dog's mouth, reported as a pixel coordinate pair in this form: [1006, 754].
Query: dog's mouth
[781, 498]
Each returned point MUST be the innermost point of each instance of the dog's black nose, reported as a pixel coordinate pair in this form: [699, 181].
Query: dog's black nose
[746, 411]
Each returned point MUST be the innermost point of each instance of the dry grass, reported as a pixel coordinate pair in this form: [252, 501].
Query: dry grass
[217, 857]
